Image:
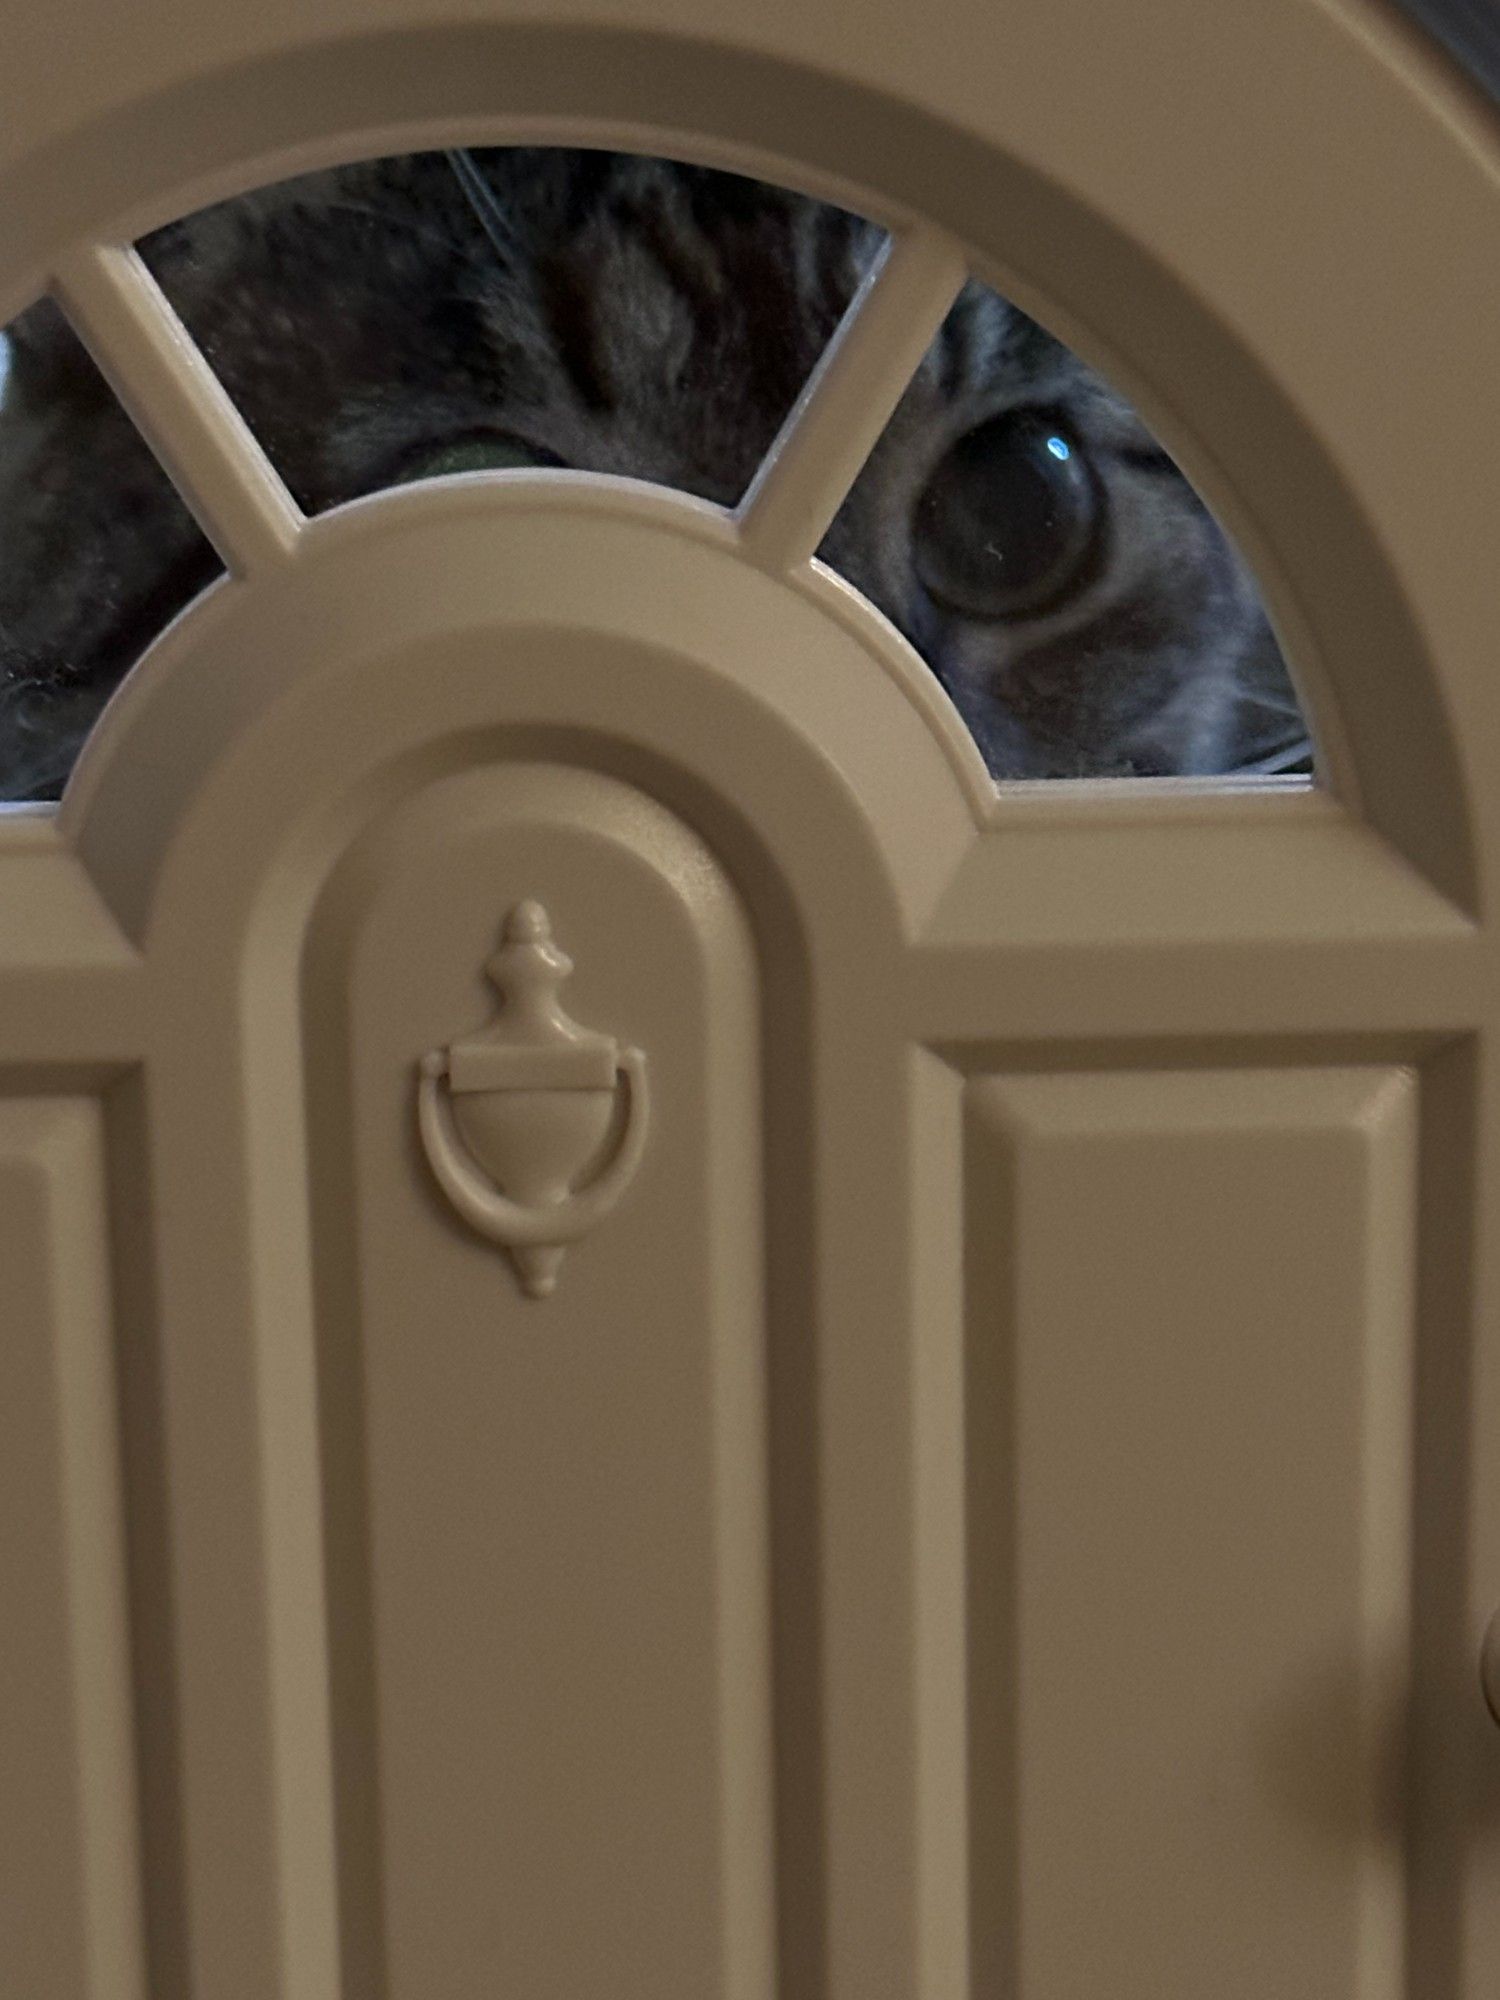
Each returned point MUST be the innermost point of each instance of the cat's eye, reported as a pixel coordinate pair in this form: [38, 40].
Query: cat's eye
[408, 319]
[493, 452]
[1010, 522]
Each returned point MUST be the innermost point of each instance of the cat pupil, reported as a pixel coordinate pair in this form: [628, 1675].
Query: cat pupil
[1009, 521]
[505, 308]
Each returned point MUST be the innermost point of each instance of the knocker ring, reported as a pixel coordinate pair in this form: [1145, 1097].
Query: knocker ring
[514, 1119]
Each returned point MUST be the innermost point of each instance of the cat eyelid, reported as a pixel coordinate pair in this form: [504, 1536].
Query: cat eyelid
[1147, 458]
[407, 464]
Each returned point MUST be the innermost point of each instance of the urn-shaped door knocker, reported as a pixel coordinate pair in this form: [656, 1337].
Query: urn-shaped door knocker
[514, 1119]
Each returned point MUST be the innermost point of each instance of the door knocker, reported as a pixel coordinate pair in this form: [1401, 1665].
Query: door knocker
[515, 1137]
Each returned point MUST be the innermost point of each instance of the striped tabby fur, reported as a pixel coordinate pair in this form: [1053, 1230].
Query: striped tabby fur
[628, 316]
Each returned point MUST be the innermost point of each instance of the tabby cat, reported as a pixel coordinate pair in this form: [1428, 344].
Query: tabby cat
[439, 312]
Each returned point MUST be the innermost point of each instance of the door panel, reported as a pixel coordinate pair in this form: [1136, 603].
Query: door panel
[590, 1466]
[1190, 1418]
[68, 1847]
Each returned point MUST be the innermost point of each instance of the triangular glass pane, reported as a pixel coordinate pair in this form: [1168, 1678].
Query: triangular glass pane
[97, 552]
[1059, 574]
[440, 312]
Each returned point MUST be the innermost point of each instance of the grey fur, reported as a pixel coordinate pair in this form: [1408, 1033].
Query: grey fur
[615, 315]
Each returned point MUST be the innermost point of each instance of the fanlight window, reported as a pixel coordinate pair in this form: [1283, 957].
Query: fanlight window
[488, 312]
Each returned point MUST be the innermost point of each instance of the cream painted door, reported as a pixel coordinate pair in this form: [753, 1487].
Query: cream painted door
[1003, 1505]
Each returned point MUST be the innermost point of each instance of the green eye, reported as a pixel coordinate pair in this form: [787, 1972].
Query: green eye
[474, 454]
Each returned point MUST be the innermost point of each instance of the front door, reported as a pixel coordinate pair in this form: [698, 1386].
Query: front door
[660, 1345]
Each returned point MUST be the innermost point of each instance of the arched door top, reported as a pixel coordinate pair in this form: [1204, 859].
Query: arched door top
[1227, 287]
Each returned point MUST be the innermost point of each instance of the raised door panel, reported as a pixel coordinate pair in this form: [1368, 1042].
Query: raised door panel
[548, 1583]
[70, 1888]
[1190, 1405]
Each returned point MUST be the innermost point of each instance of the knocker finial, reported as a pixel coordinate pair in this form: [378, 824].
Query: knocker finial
[515, 1137]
